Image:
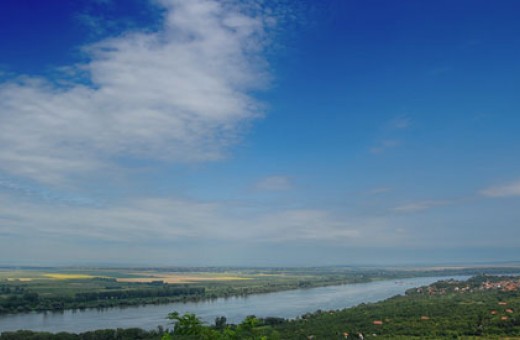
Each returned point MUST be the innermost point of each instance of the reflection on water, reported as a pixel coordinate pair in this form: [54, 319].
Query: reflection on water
[287, 304]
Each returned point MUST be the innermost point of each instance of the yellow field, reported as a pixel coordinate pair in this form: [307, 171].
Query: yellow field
[68, 276]
[23, 276]
[141, 276]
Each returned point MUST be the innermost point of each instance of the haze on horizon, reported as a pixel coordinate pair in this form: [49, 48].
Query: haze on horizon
[223, 132]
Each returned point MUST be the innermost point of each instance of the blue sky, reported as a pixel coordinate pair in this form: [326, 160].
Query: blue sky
[259, 133]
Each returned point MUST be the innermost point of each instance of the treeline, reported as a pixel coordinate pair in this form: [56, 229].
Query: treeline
[102, 334]
[16, 299]
[22, 300]
[7, 289]
[187, 326]
[141, 293]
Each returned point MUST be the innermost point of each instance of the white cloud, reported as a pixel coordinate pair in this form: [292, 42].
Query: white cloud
[180, 94]
[506, 190]
[274, 183]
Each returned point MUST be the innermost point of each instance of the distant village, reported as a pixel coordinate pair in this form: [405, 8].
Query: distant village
[479, 283]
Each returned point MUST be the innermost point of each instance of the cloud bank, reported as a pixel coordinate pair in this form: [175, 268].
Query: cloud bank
[507, 190]
[150, 219]
[179, 94]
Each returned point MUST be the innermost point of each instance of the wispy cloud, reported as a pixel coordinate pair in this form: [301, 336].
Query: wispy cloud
[418, 206]
[40, 193]
[148, 219]
[400, 123]
[391, 137]
[379, 190]
[274, 183]
[505, 190]
[180, 94]
[384, 146]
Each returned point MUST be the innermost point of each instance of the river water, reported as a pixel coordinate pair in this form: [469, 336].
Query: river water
[286, 304]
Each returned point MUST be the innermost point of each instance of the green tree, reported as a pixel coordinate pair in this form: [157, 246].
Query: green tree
[187, 324]
[220, 322]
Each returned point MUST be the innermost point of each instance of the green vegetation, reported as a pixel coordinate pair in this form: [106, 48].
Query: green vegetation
[22, 297]
[102, 334]
[186, 326]
[439, 312]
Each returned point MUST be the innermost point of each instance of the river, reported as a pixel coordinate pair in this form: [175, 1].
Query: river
[285, 304]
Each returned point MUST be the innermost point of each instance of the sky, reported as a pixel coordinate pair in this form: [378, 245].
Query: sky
[259, 133]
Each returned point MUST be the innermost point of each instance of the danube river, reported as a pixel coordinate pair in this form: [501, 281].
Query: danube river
[286, 304]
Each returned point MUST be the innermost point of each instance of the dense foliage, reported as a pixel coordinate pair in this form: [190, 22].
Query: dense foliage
[424, 313]
[20, 299]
